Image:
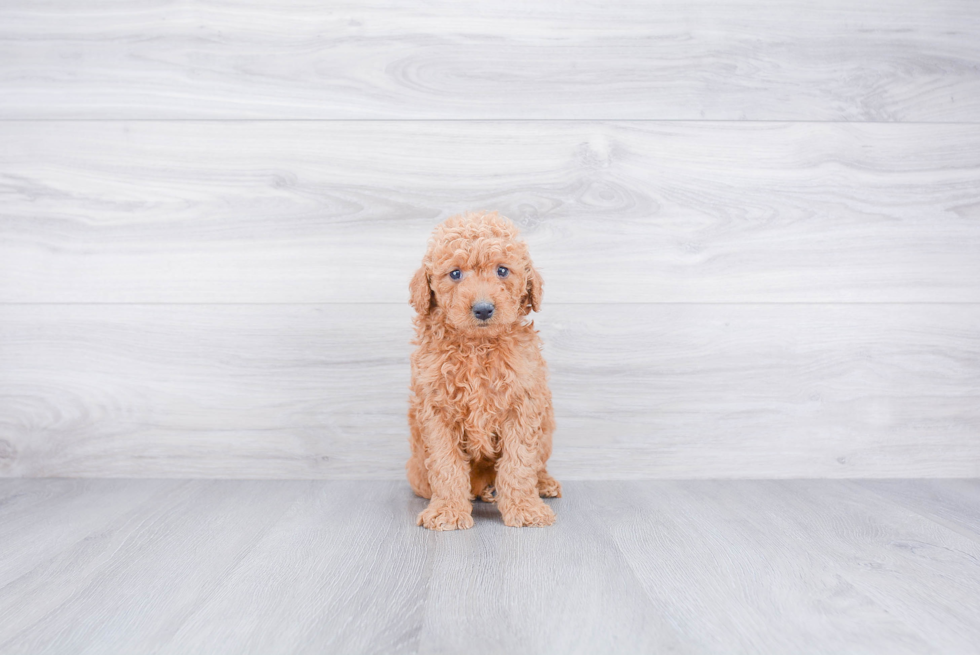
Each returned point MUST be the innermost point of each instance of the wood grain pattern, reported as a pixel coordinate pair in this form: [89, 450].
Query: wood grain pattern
[758, 222]
[953, 503]
[706, 59]
[626, 212]
[676, 391]
[339, 566]
[878, 578]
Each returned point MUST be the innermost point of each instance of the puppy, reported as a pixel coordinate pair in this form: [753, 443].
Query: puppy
[480, 412]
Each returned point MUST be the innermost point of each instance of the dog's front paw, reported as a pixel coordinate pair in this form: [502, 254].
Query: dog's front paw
[531, 513]
[440, 515]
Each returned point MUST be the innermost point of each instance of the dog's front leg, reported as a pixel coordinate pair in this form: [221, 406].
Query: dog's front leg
[517, 475]
[449, 478]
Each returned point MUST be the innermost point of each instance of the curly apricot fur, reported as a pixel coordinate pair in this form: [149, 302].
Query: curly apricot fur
[480, 413]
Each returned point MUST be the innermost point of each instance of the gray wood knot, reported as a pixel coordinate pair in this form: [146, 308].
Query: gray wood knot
[7, 453]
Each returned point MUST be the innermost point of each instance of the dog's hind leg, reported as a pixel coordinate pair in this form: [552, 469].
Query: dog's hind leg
[482, 476]
[548, 487]
[418, 475]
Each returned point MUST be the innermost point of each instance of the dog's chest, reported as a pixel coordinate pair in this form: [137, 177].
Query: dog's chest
[482, 388]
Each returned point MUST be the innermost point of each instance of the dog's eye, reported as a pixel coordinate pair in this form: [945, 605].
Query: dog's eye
[455, 274]
[502, 271]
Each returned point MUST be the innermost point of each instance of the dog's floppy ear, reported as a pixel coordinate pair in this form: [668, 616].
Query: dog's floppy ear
[421, 297]
[532, 299]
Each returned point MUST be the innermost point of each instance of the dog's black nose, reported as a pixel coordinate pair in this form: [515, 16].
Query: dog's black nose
[483, 310]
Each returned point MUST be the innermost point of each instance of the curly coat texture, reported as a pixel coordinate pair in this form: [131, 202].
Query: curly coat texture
[480, 411]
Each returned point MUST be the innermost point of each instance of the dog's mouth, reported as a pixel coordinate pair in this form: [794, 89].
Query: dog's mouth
[488, 325]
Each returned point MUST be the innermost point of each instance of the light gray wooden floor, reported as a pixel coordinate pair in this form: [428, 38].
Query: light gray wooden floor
[126, 566]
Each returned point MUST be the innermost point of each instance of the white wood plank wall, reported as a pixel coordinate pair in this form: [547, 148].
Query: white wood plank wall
[758, 222]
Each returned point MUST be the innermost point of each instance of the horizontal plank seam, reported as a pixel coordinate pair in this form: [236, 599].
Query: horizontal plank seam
[478, 120]
[553, 304]
[7, 479]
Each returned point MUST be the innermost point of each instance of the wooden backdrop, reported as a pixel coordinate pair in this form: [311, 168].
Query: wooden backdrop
[758, 224]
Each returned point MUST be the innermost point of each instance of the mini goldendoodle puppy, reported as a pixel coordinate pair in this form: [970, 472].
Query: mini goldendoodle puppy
[480, 413]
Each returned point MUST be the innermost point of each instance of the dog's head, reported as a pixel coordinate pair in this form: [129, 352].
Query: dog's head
[477, 274]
